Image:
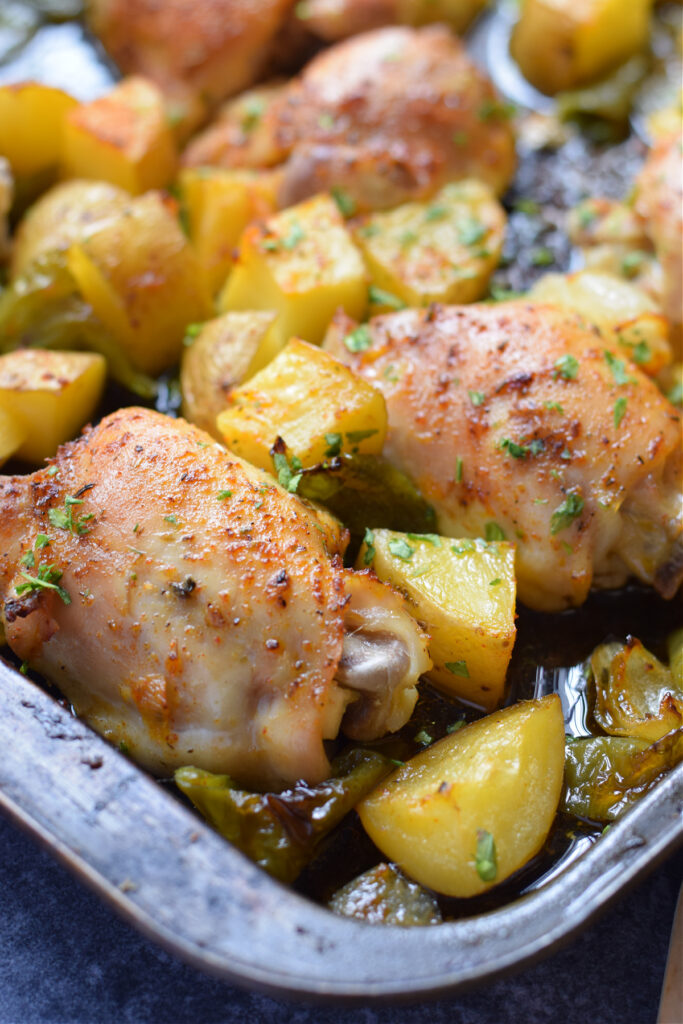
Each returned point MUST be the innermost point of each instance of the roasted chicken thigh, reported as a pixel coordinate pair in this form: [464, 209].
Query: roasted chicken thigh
[517, 420]
[195, 611]
[387, 116]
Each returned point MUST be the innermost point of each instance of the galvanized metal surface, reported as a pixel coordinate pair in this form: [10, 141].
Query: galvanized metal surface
[182, 885]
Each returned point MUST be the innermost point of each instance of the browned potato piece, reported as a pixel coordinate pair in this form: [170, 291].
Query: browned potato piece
[562, 44]
[23, 107]
[220, 357]
[50, 395]
[141, 277]
[63, 216]
[477, 805]
[123, 137]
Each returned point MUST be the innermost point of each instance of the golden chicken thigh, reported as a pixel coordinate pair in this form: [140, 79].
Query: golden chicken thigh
[192, 609]
[387, 116]
[517, 420]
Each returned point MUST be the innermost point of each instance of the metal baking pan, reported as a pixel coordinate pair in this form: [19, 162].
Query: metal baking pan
[183, 886]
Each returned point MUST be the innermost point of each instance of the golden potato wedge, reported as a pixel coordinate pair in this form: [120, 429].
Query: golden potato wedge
[141, 277]
[312, 401]
[302, 264]
[220, 357]
[444, 250]
[62, 216]
[124, 138]
[31, 125]
[50, 395]
[625, 314]
[474, 807]
[463, 593]
[562, 44]
[12, 435]
[220, 204]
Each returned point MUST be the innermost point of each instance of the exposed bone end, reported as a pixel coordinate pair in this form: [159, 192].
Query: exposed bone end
[383, 657]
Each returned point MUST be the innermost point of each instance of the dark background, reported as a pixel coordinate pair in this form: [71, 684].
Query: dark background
[66, 959]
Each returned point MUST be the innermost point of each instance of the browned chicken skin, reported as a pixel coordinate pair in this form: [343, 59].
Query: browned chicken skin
[518, 418]
[388, 116]
[205, 615]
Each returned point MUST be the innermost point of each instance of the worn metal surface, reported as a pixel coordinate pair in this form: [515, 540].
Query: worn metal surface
[182, 885]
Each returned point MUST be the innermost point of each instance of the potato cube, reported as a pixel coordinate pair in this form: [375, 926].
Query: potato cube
[625, 314]
[220, 204]
[12, 435]
[31, 125]
[439, 251]
[474, 807]
[303, 265]
[313, 402]
[221, 356]
[463, 592]
[124, 138]
[140, 275]
[50, 395]
[563, 44]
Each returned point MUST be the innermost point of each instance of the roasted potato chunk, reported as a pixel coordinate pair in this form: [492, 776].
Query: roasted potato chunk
[31, 125]
[313, 402]
[626, 316]
[439, 251]
[50, 396]
[63, 216]
[302, 264]
[220, 204]
[463, 592]
[12, 436]
[141, 277]
[223, 354]
[562, 44]
[123, 137]
[477, 805]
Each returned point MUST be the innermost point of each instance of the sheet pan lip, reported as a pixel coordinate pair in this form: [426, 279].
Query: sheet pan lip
[378, 960]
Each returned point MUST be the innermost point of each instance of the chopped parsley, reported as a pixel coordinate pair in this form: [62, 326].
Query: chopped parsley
[619, 411]
[458, 470]
[476, 397]
[460, 138]
[496, 582]
[428, 538]
[436, 212]
[458, 668]
[295, 235]
[617, 369]
[334, 443]
[542, 257]
[326, 121]
[400, 548]
[517, 451]
[553, 407]
[345, 203]
[222, 495]
[641, 353]
[454, 726]
[492, 108]
[369, 541]
[424, 738]
[565, 514]
[171, 519]
[408, 238]
[567, 367]
[471, 231]
[356, 436]
[485, 860]
[378, 297]
[253, 112]
[492, 531]
[359, 339]
[63, 518]
[528, 206]
[288, 472]
[46, 578]
[632, 261]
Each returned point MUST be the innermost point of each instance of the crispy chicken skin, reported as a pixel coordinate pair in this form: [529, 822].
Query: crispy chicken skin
[659, 204]
[518, 415]
[211, 620]
[197, 51]
[388, 116]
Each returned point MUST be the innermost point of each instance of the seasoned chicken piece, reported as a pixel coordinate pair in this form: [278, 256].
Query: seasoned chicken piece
[659, 204]
[517, 421]
[193, 610]
[197, 51]
[338, 19]
[386, 117]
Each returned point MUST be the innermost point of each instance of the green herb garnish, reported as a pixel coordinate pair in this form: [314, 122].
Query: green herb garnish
[485, 860]
[565, 514]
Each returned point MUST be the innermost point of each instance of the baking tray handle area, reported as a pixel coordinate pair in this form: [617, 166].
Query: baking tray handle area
[183, 886]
